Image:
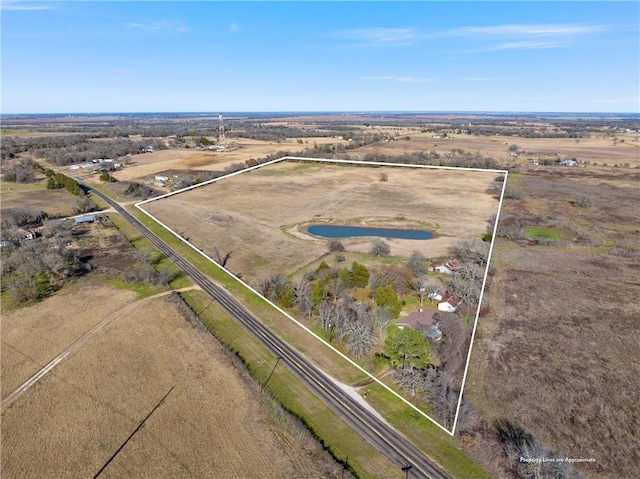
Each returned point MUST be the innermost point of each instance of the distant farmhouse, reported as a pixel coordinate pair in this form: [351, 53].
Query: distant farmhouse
[448, 267]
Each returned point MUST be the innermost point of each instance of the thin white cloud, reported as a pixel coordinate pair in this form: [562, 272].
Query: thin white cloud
[524, 45]
[521, 36]
[159, 27]
[378, 36]
[485, 78]
[234, 28]
[398, 79]
[519, 31]
[10, 5]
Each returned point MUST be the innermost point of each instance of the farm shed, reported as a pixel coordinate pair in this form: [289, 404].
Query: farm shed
[85, 219]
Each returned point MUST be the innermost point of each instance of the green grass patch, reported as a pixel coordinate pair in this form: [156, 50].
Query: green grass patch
[142, 290]
[100, 203]
[123, 225]
[544, 233]
[6, 302]
[9, 188]
[12, 131]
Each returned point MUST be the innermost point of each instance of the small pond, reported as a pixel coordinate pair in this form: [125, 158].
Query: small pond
[341, 231]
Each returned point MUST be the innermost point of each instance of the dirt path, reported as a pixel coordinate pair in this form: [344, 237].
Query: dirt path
[78, 343]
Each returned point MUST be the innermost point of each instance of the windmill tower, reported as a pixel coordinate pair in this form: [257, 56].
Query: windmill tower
[220, 129]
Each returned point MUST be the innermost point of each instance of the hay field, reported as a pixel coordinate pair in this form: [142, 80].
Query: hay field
[31, 337]
[72, 421]
[148, 164]
[260, 215]
[599, 150]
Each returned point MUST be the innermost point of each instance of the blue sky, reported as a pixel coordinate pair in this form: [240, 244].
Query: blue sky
[320, 56]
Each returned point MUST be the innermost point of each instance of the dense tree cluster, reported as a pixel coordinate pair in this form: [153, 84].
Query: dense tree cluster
[66, 150]
[33, 269]
[58, 180]
[138, 190]
[327, 296]
[107, 178]
[21, 218]
[21, 170]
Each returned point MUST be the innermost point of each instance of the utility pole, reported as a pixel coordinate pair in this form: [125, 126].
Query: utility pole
[210, 303]
[220, 129]
[406, 470]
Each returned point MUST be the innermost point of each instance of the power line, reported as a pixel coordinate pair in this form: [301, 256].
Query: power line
[132, 434]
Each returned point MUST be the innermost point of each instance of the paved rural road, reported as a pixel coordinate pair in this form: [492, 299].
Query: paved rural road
[383, 437]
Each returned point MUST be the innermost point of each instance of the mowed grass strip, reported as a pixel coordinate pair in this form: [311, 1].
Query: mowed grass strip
[294, 396]
[428, 437]
[425, 435]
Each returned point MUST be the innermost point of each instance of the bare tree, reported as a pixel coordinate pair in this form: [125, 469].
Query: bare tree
[416, 263]
[454, 344]
[468, 291]
[334, 246]
[471, 251]
[410, 379]
[84, 205]
[302, 292]
[443, 395]
[398, 277]
[326, 314]
[360, 338]
[382, 318]
[380, 248]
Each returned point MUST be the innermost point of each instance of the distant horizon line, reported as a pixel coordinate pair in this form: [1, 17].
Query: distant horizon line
[321, 112]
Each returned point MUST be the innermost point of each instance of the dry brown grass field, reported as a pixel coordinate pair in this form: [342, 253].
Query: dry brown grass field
[260, 216]
[599, 150]
[72, 421]
[146, 165]
[35, 195]
[558, 354]
[31, 337]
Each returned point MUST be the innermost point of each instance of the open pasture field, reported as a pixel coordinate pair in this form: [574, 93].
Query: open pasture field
[597, 149]
[146, 165]
[33, 133]
[75, 418]
[558, 354]
[31, 337]
[36, 195]
[260, 216]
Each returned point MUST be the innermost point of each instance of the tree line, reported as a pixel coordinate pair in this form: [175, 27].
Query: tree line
[356, 306]
[67, 150]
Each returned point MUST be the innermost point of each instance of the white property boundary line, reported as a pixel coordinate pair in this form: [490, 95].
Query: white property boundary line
[347, 162]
